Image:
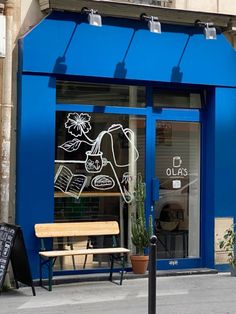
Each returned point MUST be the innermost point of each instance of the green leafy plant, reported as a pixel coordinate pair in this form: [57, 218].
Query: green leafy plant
[228, 244]
[141, 231]
[5, 288]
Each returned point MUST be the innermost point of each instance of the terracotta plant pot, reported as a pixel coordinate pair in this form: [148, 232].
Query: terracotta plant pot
[139, 263]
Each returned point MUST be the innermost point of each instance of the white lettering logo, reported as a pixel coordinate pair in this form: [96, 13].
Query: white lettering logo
[176, 170]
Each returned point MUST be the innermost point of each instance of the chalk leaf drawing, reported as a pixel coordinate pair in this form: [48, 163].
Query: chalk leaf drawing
[78, 125]
[69, 183]
[71, 146]
[126, 178]
[102, 182]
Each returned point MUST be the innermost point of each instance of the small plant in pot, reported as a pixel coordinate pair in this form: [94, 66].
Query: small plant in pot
[228, 245]
[141, 231]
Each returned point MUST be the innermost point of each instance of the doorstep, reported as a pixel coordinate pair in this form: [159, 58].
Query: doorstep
[128, 275]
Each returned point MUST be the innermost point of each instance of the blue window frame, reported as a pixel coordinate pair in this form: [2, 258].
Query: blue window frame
[152, 115]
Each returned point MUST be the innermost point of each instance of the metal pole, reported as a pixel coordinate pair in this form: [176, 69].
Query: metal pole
[152, 276]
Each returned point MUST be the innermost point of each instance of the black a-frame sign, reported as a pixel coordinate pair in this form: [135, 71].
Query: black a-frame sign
[12, 248]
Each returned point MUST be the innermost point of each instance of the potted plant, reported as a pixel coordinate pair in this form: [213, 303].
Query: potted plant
[228, 244]
[141, 231]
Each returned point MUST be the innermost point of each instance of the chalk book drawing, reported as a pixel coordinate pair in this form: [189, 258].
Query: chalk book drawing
[78, 125]
[69, 183]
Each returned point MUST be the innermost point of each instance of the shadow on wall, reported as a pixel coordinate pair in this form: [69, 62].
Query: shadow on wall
[120, 70]
[60, 64]
[176, 74]
[59, 67]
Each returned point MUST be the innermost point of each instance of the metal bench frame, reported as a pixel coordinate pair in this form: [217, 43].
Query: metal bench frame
[48, 258]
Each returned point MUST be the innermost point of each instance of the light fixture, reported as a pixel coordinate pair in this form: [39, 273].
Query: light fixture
[209, 29]
[153, 23]
[93, 18]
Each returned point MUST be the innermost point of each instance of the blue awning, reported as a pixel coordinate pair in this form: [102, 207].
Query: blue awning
[64, 43]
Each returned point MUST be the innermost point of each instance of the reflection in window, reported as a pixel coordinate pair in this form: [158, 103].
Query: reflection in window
[177, 99]
[100, 94]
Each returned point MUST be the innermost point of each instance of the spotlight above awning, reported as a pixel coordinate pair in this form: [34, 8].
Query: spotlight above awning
[209, 29]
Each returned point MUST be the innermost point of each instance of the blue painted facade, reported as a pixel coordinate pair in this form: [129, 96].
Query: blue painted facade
[123, 51]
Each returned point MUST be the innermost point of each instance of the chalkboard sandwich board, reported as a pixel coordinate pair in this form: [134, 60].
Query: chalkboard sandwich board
[12, 248]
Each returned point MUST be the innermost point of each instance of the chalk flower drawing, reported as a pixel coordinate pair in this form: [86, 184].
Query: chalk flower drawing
[77, 124]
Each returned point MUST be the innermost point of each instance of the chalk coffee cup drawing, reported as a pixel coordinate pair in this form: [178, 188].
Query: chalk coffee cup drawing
[93, 162]
[118, 133]
[177, 161]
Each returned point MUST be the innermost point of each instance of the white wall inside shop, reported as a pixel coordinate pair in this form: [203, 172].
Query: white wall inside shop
[221, 225]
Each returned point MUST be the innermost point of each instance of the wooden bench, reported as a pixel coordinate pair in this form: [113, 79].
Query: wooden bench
[78, 229]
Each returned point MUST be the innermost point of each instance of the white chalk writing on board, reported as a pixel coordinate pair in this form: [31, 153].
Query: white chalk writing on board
[6, 239]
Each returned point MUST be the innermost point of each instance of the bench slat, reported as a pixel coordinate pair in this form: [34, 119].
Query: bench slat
[84, 252]
[71, 229]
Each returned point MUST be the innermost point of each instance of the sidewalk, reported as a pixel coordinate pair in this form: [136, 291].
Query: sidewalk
[189, 294]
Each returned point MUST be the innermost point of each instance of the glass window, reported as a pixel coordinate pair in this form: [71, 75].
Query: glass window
[176, 99]
[100, 94]
[178, 169]
[97, 158]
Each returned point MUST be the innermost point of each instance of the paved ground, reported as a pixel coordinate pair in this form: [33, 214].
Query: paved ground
[194, 294]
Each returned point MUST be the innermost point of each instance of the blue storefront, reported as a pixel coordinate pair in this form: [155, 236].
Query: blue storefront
[163, 105]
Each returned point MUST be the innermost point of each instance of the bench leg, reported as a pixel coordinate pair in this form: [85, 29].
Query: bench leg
[16, 283]
[112, 264]
[33, 290]
[122, 259]
[122, 271]
[49, 263]
[85, 261]
[73, 258]
[40, 271]
[50, 273]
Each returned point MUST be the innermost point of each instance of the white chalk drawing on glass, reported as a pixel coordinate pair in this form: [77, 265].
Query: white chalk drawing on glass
[177, 161]
[78, 125]
[102, 182]
[69, 183]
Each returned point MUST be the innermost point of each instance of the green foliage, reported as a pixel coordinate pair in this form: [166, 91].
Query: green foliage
[141, 231]
[5, 288]
[228, 244]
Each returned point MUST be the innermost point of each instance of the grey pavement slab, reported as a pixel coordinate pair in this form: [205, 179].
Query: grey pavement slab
[191, 294]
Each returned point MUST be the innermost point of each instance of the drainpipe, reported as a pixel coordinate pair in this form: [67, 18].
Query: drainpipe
[6, 124]
[6, 116]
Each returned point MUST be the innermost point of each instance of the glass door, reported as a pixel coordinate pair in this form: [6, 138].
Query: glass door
[177, 167]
